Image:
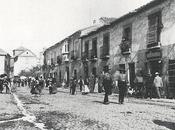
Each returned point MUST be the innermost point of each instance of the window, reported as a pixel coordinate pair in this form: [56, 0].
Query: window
[94, 47]
[106, 44]
[86, 48]
[154, 29]
[126, 39]
[127, 33]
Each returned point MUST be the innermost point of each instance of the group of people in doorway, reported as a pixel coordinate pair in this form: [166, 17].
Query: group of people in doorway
[148, 85]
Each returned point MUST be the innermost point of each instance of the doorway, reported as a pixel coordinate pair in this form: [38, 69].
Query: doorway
[156, 66]
[132, 74]
[67, 71]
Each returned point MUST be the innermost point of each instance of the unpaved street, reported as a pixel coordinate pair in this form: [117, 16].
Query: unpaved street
[63, 111]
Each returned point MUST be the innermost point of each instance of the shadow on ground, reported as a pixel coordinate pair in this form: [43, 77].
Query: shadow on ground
[169, 125]
[58, 120]
[101, 102]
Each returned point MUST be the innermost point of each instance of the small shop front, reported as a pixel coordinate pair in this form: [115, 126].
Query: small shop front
[154, 61]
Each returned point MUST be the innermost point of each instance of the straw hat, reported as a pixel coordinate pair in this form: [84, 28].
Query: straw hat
[156, 73]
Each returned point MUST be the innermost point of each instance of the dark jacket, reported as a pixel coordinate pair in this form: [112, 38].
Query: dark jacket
[107, 83]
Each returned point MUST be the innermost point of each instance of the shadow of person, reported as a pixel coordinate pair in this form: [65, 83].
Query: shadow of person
[101, 102]
[167, 124]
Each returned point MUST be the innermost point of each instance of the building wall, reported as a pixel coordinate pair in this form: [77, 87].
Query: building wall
[24, 63]
[2, 65]
[139, 25]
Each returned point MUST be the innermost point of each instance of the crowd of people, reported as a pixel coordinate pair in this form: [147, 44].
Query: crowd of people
[5, 83]
[144, 85]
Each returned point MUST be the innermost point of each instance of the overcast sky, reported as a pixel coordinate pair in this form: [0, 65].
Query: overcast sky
[35, 24]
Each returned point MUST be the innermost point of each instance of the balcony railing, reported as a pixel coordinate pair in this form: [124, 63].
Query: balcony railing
[65, 58]
[125, 47]
[65, 52]
[104, 52]
[93, 55]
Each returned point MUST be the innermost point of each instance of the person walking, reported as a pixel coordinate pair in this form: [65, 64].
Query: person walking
[122, 84]
[96, 85]
[158, 83]
[92, 82]
[85, 89]
[149, 85]
[73, 86]
[107, 83]
[80, 82]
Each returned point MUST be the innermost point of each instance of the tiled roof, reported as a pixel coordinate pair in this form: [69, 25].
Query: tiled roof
[103, 21]
[147, 6]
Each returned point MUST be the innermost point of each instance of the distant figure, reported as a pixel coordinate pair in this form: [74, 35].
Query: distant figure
[92, 83]
[34, 89]
[72, 86]
[96, 85]
[99, 84]
[81, 83]
[107, 83]
[122, 84]
[158, 83]
[41, 83]
[149, 86]
[85, 89]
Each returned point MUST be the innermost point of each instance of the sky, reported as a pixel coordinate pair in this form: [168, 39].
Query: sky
[38, 24]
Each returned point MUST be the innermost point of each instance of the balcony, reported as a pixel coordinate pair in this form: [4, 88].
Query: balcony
[125, 47]
[104, 52]
[155, 45]
[84, 56]
[65, 58]
[93, 55]
[65, 52]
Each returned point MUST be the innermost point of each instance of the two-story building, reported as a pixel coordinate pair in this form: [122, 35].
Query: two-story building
[63, 60]
[141, 41]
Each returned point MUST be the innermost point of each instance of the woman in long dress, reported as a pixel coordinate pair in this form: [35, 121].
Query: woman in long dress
[96, 85]
[85, 87]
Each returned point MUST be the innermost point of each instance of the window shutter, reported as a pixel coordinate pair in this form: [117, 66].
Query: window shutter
[153, 29]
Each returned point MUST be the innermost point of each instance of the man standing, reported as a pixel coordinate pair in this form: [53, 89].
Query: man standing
[158, 83]
[149, 85]
[122, 84]
[107, 83]
[72, 85]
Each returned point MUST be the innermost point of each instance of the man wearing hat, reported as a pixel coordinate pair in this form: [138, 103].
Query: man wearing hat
[122, 84]
[158, 83]
[107, 83]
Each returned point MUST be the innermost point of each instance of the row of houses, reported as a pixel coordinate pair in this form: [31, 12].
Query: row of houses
[141, 41]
